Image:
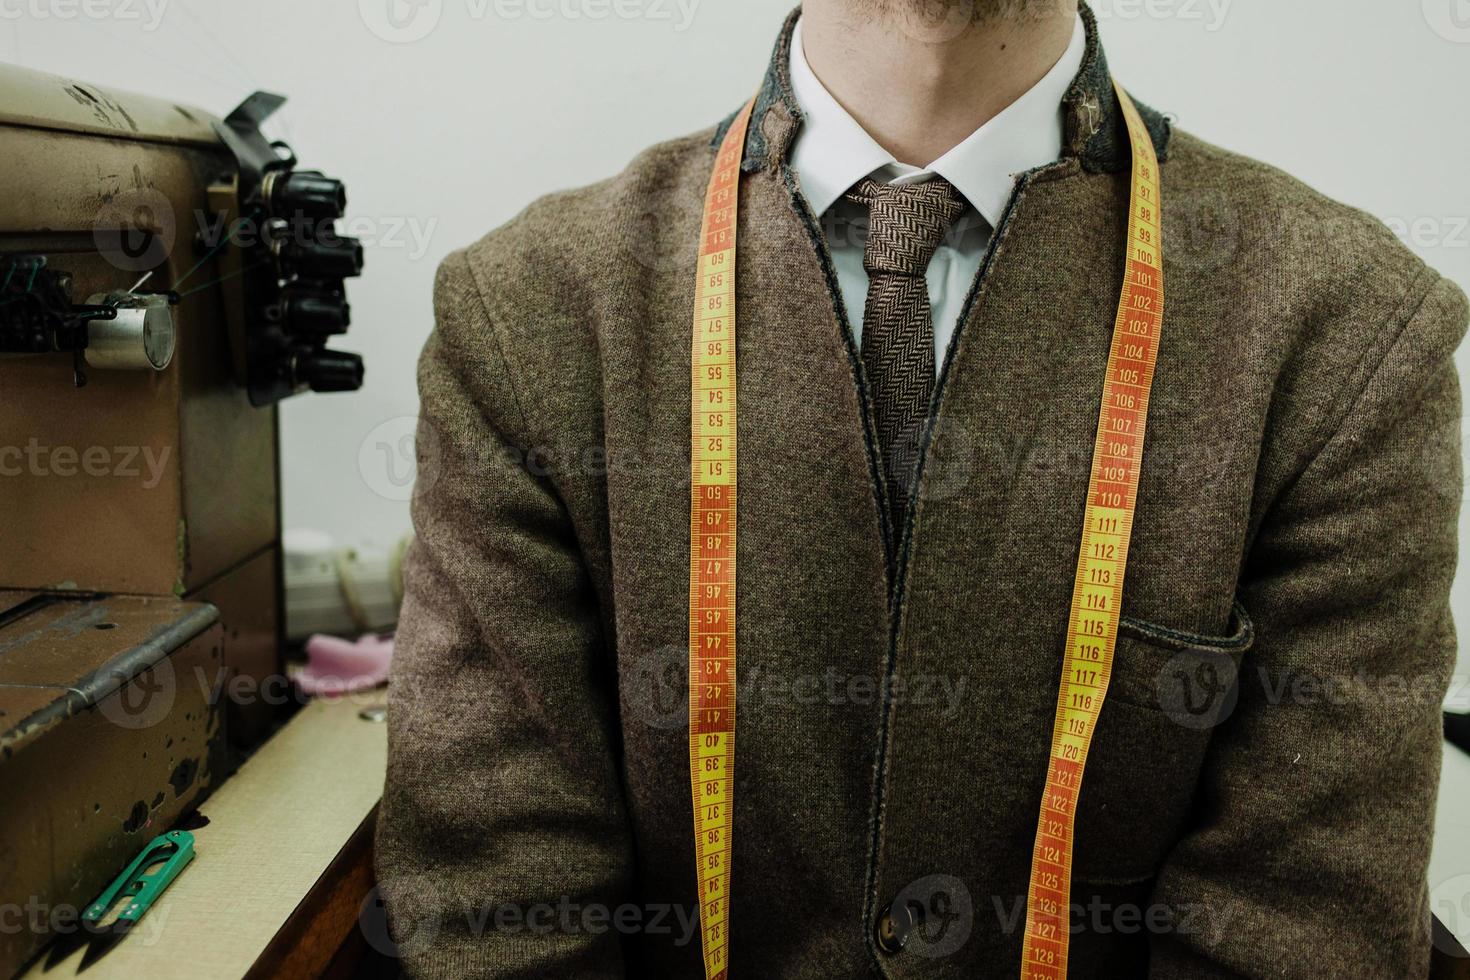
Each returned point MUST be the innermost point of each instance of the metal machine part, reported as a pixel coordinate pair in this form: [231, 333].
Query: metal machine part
[309, 192]
[282, 279]
[104, 738]
[150, 498]
[139, 337]
[291, 294]
[117, 331]
[162, 483]
[36, 312]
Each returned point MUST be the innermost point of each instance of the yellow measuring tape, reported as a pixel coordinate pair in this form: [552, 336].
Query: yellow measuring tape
[712, 551]
[1096, 598]
[1097, 593]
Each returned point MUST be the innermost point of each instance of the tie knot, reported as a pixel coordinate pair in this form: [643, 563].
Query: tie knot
[906, 223]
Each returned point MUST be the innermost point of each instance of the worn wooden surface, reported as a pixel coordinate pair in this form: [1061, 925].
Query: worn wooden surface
[277, 834]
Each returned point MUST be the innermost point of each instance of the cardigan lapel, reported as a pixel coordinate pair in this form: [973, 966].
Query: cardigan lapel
[785, 262]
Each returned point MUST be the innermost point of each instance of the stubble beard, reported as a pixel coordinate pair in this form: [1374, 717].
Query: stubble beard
[962, 12]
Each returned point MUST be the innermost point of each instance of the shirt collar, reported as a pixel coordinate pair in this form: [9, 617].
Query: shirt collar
[832, 151]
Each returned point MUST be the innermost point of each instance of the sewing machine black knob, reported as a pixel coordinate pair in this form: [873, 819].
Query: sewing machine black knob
[317, 313]
[305, 192]
[339, 258]
[329, 370]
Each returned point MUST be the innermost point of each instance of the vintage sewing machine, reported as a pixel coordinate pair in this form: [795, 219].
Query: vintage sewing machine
[166, 277]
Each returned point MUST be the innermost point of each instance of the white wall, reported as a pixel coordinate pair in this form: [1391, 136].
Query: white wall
[443, 137]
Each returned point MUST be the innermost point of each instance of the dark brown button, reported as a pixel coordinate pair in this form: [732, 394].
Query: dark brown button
[893, 928]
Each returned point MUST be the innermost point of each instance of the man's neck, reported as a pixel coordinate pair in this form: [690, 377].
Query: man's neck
[920, 87]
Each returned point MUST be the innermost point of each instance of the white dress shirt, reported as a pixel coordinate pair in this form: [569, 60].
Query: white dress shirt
[832, 152]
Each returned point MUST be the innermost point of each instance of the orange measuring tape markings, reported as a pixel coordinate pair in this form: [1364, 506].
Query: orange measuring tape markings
[1112, 491]
[712, 551]
[1097, 593]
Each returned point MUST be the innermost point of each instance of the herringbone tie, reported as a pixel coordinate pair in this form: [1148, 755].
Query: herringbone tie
[906, 224]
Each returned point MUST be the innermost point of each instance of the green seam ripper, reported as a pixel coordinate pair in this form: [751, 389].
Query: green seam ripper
[138, 887]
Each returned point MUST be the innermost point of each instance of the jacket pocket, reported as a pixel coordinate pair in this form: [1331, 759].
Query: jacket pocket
[1168, 693]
